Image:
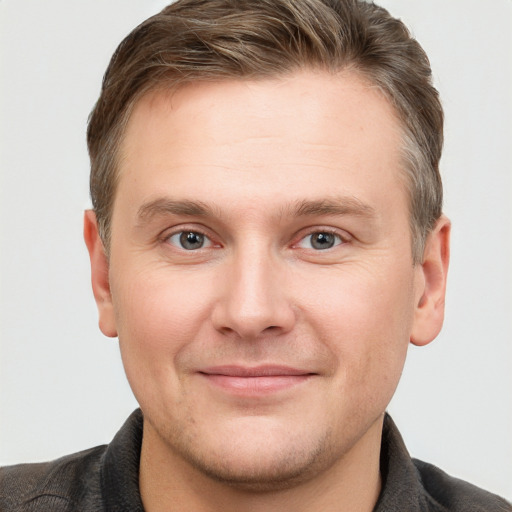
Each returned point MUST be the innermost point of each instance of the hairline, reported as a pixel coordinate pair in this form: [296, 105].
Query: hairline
[409, 150]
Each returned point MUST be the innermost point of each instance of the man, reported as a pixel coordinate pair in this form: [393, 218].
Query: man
[267, 238]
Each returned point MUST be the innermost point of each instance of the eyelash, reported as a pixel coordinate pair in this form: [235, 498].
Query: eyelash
[340, 238]
[166, 238]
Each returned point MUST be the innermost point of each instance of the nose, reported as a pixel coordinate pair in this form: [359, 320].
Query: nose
[252, 299]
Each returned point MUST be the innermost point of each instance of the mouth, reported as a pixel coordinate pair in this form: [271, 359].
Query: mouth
[260, 380]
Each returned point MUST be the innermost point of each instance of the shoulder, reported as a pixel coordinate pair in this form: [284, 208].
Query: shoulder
[447, 493]
[412, 485]
[59, 485]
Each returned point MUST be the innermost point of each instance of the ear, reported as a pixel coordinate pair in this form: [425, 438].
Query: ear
[99, 275]
[431, 279]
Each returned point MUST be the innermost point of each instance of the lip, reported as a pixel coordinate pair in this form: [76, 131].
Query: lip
[259, 380]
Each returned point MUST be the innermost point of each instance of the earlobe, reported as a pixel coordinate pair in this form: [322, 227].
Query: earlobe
[99, 275]
[432, 273]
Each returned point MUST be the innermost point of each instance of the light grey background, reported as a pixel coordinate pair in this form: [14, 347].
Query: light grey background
[62, 383]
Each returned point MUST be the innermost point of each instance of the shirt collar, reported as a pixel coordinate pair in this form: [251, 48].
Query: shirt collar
[120, 468]
[401, 483]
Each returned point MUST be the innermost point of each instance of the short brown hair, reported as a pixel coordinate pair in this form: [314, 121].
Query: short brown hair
[200, 40]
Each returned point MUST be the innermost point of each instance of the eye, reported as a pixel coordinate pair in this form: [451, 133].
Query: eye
[190, 240]
[320, 241]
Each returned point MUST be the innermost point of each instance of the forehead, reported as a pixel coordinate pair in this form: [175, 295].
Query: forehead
[266, 137]
[302, 99]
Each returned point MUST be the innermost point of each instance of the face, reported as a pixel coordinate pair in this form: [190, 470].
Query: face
[260, 276]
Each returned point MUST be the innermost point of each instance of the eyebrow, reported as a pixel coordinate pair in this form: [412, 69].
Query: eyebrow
[344, 205]
[165, 206]
[338, 206]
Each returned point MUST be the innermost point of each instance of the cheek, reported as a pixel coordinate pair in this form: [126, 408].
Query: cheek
[389, 317]
[155, 308]
[362, 299]
[157, 316]
[368, 325]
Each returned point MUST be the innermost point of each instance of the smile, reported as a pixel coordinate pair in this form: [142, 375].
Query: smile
[259, 380]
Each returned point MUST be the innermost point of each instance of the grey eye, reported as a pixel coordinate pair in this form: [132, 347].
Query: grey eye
[189, 240]
[320, 241]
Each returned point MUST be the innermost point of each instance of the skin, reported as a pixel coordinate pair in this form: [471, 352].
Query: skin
[260, 169]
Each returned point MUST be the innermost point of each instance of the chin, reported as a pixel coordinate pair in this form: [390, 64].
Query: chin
[278, 471]
[259, 463]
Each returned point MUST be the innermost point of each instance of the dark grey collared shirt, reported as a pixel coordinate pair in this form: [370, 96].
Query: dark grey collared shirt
[106, 478]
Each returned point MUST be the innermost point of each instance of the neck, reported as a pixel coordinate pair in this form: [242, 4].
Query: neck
[168, 482]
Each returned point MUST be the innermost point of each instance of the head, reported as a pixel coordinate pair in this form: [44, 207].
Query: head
[194, 41]
[265, 184]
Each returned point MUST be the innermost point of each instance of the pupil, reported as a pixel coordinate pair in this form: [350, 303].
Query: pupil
[322, 241]
[191, 240]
